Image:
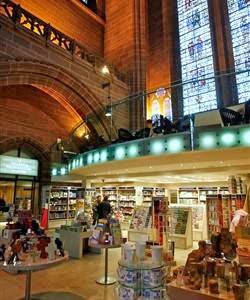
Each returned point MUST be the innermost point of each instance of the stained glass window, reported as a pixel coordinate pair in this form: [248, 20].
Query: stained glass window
[239, 16]
[197, 67]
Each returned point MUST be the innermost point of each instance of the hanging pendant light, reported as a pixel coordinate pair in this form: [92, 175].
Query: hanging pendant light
[108, 111]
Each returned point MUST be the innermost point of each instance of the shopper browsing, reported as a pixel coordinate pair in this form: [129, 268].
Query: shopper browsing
[95, 209]
[104, 208]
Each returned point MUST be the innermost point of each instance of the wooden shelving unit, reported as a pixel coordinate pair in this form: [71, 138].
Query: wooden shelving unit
[220, 210]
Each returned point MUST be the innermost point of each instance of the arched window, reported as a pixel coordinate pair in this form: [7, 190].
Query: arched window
[155, 107]
[197, 66]
[239, 17]
[168, 108]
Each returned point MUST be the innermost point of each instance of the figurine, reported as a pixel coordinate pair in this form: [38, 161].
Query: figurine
[196, 256]
[239, 291]
[59, 246]
[43, 243]
[16, 245]
[213, 286]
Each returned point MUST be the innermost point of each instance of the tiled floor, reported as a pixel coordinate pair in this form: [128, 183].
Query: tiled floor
[76, 276]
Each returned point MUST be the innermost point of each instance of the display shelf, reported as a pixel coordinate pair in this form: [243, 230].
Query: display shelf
[147, 194]
[205, 191]
[160, 221]
[113, 196]
[199, 223]
[181, 227]
[159, 191]
[126, 201]
[141, 218]
[220, 210]
[188, 195]
[61, 201]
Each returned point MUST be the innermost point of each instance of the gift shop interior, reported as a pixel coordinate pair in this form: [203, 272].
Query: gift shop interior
[124, 149]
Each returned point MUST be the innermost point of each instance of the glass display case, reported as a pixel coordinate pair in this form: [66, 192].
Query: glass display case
[142, 280]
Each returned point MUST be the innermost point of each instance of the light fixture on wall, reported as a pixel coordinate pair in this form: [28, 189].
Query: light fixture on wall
[105, 70]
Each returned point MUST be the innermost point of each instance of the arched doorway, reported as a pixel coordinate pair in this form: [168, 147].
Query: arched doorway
[24, 168]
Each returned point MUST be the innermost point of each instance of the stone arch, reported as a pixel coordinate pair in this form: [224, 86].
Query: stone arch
[59, 84]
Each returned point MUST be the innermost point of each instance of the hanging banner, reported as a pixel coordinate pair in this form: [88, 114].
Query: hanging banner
[18, 166]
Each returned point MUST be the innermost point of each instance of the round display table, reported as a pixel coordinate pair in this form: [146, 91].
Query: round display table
[28, 267]
[106, 280]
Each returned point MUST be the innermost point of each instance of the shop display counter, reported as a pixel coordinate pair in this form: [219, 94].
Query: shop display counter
[74, 240]
[105, 280]
[176, 292]
[28, 267]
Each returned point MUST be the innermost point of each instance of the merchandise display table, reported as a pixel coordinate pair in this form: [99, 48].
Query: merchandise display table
[106, 280]
[28, 267]
[176, 292]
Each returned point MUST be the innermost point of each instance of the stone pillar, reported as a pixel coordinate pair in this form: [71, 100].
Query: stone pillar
[223, 53]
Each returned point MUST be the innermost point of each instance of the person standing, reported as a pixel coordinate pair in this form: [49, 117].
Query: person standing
[104, 208]
[95, 209]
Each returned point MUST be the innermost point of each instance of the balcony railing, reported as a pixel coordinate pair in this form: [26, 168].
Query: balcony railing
[21, 17]
[227, 137]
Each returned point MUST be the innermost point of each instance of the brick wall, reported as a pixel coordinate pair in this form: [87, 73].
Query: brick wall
[160, 44]
[19, 119]
[119, 33]
[125, 46]
[43, 102]
[71, 18]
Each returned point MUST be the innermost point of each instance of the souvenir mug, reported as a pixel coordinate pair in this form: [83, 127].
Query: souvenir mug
[158, 294]
[157, 255]
[156, 276]
[126, 293]
[140, 250]
[146, 276]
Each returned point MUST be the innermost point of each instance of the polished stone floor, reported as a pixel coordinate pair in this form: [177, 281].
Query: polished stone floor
[76, 278]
